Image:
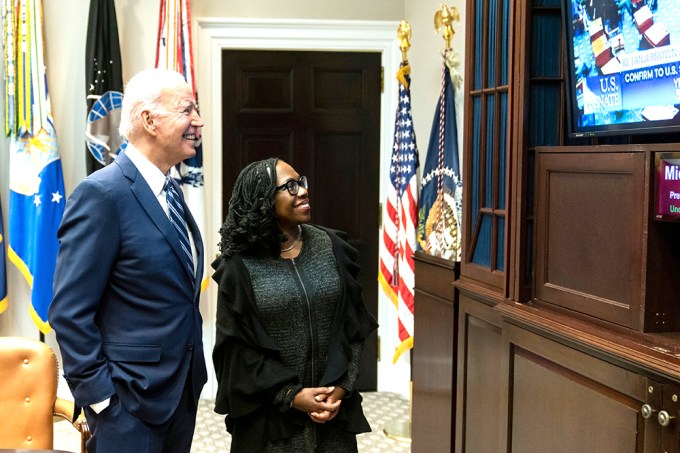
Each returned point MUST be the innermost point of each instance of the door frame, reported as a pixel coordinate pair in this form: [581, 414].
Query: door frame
[215, 34]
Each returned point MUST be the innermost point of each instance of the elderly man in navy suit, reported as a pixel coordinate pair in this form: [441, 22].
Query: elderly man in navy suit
[127, 282]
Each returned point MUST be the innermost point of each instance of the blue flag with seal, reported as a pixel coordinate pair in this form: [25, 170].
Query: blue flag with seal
[3, 273]
[441, 193]
[36, 183]
[104, 86]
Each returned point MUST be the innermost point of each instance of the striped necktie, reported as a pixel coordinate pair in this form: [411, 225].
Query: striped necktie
[176, 213]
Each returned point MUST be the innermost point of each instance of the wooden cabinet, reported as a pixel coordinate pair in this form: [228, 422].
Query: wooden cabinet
[599, 252]
[565, 397]
[434, 355]
[568, 329]
[527, 382]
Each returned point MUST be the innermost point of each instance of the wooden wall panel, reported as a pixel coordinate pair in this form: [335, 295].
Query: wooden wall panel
[480, 381]
[434, 355]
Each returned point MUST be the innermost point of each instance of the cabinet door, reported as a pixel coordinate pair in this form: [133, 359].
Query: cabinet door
[563, 400]
[590, 217]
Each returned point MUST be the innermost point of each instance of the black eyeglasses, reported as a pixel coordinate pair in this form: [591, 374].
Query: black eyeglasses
[293, 186]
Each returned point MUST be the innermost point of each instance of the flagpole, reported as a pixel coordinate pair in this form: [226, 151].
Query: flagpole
[399, 429]
[443, 20]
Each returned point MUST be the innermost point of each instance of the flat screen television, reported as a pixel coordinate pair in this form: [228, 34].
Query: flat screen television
[623, 66]
[667, 186]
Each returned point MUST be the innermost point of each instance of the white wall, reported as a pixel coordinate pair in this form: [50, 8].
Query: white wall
[300, 9]
[425, 60]
[65, 30]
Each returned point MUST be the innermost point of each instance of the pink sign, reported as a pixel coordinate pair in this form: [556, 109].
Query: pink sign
[668, 187]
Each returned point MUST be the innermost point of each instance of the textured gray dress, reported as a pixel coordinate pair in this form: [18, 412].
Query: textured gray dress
[296, 300]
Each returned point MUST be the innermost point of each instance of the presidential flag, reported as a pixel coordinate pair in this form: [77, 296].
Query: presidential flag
[441, 193]
[396, 273]
[103, 86]
[174, 51]
[36, 201]
[3, 273]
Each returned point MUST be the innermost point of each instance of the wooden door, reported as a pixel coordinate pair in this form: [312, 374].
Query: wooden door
[320, 112]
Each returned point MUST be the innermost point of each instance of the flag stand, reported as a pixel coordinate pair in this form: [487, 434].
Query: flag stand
[400, 430]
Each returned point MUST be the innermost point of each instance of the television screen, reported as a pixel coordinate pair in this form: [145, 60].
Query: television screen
[667, 186]
[623, 66]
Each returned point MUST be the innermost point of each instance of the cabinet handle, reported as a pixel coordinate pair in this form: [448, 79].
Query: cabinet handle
[647, 410]
[665, 418]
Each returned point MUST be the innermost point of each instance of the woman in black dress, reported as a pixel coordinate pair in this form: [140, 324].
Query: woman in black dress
[291, 322]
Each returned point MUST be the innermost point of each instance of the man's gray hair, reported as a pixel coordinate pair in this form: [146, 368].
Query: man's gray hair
[143, 92]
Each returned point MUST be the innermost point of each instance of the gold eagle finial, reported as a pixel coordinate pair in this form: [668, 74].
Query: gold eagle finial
[443, 19]
[404, 35]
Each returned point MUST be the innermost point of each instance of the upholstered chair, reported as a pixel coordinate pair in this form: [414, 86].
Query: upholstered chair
[28, 396]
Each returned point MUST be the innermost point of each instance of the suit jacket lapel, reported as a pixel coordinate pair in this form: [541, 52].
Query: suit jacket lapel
[149, 202]
[198, 243]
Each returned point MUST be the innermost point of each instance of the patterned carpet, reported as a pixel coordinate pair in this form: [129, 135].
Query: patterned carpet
[382, 410]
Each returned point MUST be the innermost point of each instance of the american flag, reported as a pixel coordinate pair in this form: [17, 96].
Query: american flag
[399, 228]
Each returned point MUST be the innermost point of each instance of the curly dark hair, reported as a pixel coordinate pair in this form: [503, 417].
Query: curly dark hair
[250, 227]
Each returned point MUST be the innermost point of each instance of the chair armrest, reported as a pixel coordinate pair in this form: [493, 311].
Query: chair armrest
[64, 409]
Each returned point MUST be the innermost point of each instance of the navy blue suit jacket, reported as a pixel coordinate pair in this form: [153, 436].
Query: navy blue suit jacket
[125, 309]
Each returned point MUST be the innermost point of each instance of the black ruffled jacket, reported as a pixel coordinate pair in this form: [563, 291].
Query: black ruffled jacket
[248, 368]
